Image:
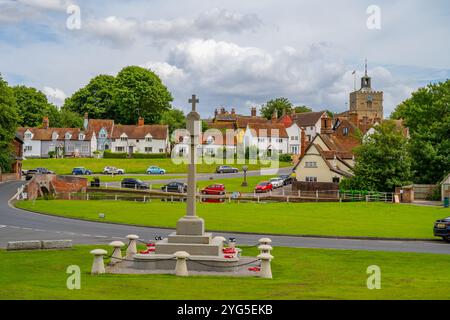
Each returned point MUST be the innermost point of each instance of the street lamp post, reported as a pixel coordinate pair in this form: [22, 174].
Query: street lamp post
[245, 184]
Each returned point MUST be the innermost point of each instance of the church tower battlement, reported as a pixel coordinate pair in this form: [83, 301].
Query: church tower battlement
[367, 102]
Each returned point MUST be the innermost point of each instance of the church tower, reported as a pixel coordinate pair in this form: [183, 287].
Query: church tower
[367, 102]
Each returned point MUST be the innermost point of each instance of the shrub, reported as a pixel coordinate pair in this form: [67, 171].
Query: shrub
[149, 155]
[110, 155]
[285, 157]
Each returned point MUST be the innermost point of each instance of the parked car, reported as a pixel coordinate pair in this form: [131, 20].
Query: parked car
[178, 187]
[31, 173]
[277, 182]
[214, 189]
[133, 184]
[264, 187]
[81, 171]
[287, 179]
[442, 229]
[226, 169]
[113, 170]
[155, 170]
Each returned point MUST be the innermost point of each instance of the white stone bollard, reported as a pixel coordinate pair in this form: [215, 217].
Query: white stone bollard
[221, 239]
[181, 266]
[266, 271]
[132, 248]
[117, 253]
[98, 267]
[265, 248]
[267, 241]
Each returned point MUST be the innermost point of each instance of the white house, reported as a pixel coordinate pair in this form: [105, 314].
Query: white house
[140, 138]
[270, 136]
[31, 146]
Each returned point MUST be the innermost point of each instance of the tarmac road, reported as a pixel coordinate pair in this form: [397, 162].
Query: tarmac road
[16, 225]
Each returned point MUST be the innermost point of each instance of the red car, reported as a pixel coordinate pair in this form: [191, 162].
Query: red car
[264, 186]
[215, 189]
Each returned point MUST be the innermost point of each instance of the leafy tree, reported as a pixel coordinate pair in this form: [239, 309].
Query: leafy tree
[32, 106]
[279, 105]
[174, 118]
[96, 98]
[427, 115]
[139, 92]
[382, 161]
[8, 124]
[302, 109]
[64, 118]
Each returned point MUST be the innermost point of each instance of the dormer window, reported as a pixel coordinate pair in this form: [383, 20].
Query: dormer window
[345, 131]
[124, 138]
[210, 140]
[28, 135]
[68, 136]
[148, 138]
[81, 136]
[55, 136]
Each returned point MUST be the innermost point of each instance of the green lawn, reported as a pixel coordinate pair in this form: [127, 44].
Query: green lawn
[298, 274]
[118, 178]
[65, 166]
[331, 219]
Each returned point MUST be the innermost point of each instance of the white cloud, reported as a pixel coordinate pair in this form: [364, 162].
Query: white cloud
[56, 5]
[123, 31]
[55, 95]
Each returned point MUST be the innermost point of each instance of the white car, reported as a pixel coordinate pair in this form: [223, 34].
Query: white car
[113, 170]
[276, 182]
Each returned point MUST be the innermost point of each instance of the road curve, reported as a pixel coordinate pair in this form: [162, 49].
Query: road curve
[17, 225]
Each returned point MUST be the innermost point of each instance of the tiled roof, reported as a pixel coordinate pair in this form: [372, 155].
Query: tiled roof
[97, 124]
[219, 140]
[47, 134]
[269, 129]
[222, 125]
[307, 119]
[243, 121]
[157, 131]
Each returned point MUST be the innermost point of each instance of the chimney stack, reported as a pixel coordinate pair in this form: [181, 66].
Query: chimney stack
[86, 121]
[326, 124]
[45, 123]
[303, 143]
[274, 116]
[233, 111]
[253, 112]
[140, 122]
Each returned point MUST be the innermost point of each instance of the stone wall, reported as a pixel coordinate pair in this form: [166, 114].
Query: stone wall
[314, 186]
[9, 177]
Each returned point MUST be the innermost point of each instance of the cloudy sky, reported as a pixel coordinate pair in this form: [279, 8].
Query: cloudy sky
[231, 53]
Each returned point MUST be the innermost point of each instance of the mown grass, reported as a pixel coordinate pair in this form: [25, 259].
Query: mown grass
[330, 219]
[65, 166]
[298, 274]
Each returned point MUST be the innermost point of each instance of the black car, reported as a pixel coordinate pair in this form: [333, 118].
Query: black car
[178, 187]
[442, 229]
[31, 173]
[133, 184]
[226, 169]
[287, 179]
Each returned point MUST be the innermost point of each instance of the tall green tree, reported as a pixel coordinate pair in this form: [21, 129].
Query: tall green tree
[280, 105]
[96, 98]
[427, 115]
[8, 124]
[174, 118]
[32, 106]
[64, 118]
[140, 92]
[382, 161]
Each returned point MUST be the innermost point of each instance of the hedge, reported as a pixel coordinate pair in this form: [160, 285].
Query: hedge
[123, 155]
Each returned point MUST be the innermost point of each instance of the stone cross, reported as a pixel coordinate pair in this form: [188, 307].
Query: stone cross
[194, 102]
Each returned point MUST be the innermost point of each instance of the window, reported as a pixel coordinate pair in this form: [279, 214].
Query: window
[336, 180]
[28, 135]
[294, 138]
[137, 140]
[81, 137]
[345, 131]
[28, 148]
[51, 148]
[84, 149]
[120, 149]
[70, 148]
[311, 179]
[148, 139]
[312, 128]
[68, 136]
[311, 164]
[102, 135]
[148, 149]
[161, 150]
[124, 139]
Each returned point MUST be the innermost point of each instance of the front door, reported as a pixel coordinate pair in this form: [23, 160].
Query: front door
[130, 150]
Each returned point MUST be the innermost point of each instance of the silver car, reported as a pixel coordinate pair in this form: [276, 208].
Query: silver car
[277, 182]
[113, 170]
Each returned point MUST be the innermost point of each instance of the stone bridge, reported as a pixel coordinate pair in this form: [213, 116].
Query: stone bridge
[48, 184]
